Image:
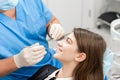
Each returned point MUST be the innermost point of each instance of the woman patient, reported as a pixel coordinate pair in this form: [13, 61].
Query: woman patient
[81, 54]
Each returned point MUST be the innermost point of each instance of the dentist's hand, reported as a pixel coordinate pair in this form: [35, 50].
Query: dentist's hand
[29, 56]
[56, 31]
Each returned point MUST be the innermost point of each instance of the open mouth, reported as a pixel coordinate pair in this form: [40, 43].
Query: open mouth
[59, 50]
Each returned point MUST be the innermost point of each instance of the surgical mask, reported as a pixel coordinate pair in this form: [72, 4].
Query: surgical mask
[8, 4]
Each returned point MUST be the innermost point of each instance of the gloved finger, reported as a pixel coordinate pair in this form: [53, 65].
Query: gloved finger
[25, 50]
[59, 34]
[32, 59]
[52, 29]
[36, 44]
[37, 48]
[39, 55]
[38, 59]
[30, 48]
[56, 32]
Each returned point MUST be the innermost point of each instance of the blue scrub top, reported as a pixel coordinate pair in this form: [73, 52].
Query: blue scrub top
[28, 28]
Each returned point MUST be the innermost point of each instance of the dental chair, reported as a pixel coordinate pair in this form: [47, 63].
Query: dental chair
[45, 71]
[114, 73]
[106, 18]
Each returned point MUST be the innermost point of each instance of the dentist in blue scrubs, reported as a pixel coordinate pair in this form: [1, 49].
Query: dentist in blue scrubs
[24, 25]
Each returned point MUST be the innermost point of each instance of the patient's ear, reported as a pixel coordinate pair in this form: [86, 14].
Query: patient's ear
[80, 57]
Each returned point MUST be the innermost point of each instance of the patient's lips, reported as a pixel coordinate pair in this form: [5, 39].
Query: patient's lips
[59, 50]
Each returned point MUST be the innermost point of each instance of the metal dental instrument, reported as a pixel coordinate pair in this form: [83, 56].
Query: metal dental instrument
[60, 38]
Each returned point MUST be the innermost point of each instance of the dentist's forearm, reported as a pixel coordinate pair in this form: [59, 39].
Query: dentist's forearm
[7, 66]
[54, 20]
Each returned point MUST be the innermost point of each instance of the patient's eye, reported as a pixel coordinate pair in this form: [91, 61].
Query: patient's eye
[68, 40]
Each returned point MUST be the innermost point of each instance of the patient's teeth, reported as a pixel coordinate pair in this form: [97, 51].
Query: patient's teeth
[61, 53]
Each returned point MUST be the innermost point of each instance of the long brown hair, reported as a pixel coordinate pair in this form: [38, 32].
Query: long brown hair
[93, 45]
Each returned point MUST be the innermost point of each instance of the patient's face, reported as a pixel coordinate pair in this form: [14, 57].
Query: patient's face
[67, 49]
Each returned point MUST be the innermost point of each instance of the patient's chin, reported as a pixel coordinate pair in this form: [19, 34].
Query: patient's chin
[57, 56]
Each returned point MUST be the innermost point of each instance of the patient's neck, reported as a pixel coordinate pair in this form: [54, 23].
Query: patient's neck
[66, 71]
